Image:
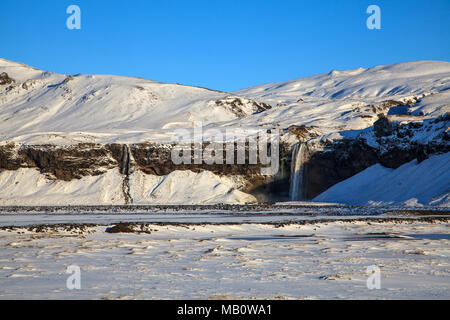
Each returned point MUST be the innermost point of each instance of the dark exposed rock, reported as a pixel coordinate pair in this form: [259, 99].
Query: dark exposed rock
[302, 132]
[383, 127]
[63, 163]
[8, 157]
[68, 78]
[341, 161]
[5, 79]
[75, 161]
[121, 228]
[238, 104]
[344, 158]
[156, 159]
[388, 143]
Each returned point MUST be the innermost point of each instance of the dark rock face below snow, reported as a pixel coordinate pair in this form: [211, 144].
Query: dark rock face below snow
[76, 161]
[238, 105]
[389, 143]
[5, 79]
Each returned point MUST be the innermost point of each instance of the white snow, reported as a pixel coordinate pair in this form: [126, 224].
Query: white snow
[409, 78]
[85, 108]
[29, 187]
[433, 105]
[331, 100]
[324, 260]
[43, 107]
[412, 184]
[186, 187]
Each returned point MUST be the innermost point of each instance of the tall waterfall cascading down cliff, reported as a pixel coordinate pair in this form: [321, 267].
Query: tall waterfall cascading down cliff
[296, 191]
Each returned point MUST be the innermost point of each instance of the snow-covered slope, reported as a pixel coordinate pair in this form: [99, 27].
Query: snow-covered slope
[351, 100]
[425, 183]
[186, 187]
[403, 79]
[38, 106]
[30, 187]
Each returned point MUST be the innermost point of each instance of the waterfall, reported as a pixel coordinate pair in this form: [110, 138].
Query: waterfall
[296, 191]
[125, 168]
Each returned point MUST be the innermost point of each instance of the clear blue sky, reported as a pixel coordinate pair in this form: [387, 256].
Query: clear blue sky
[224, 45]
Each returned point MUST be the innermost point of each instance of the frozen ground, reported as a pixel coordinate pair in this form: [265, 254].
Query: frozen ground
[191, 257]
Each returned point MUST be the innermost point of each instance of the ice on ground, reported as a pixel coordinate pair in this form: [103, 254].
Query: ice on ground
[294, 261]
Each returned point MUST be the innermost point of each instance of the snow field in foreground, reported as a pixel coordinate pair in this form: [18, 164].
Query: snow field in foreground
[317, 261]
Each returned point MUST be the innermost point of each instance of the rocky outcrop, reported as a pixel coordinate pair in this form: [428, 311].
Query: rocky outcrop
[340, 161]
[302, 133]
[63, 163]
[76, 161]
[390, 143]
[242, 106]
[5, 79]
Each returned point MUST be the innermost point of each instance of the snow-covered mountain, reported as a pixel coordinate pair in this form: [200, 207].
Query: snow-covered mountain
[397, 80]
[351, 100]
[74, 130]
[40, 106]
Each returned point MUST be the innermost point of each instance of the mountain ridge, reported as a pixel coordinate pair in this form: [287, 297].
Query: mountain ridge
[65, 129]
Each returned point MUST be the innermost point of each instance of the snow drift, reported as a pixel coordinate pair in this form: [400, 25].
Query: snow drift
[412, 184]
[30, 187]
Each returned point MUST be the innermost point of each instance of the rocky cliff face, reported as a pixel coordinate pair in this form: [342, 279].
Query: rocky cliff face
[62, 163]
[388, 142]
[109, 138]
[73, 162]
[5, 79]
[241, 106]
